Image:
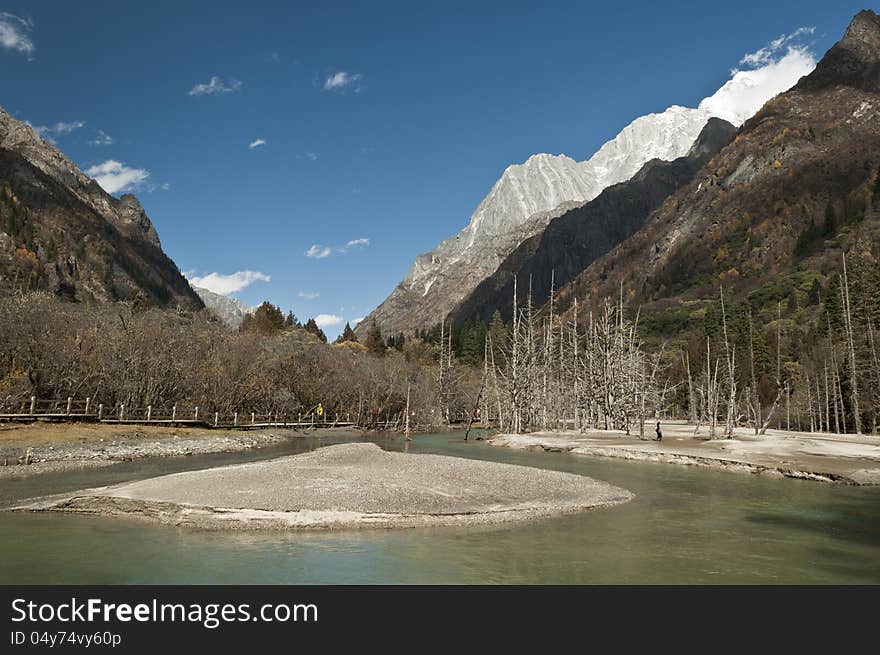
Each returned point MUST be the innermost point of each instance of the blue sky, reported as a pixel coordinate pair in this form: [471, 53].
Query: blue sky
[384, 123]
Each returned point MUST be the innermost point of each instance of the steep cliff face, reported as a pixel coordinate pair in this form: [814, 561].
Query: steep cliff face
[572, 241]
[751, 212]
[61, 232]
[125, 213]
[521, 204]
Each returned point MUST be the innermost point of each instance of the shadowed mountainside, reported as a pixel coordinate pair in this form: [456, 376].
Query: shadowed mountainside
[60, 232]
[809, 158]
[571, 242]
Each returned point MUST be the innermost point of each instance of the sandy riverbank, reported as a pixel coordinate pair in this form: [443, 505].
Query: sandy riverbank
[346, 486]
[842, 458]
[61, 447]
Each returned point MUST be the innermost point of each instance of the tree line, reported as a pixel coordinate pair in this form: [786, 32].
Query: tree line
[783, 358]
[803, 358]
[136, 354]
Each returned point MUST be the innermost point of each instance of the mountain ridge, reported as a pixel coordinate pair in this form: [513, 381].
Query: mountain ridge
[514, 211]
[577, 237]
[809, 153]
[520, 204]
[63, 233]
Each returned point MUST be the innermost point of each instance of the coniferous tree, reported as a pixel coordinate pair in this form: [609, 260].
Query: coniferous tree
[832, 307]
[815, 295]
[829, 228]
[497, 333]
[312, 326]
[347, 334]
[375, 344]
[806, 238]
[267, 318]
[471, 349]
[712, 321]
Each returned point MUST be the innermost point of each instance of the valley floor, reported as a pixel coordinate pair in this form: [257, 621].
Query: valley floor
[36, 448]
[843, 458]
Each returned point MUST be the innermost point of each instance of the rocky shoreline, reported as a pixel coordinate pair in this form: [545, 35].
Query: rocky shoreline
[108, 447]
[842, 459]
[356, 485]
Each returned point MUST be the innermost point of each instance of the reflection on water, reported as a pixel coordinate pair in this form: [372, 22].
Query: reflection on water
[685, 525]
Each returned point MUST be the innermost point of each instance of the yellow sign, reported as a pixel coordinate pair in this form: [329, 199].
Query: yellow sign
[320, 409]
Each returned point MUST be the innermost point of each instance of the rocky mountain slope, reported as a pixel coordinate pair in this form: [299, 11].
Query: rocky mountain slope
[229, 310]
[530, 195]
[810, 157]
[572, 241]
[520, 204]
[61, 232]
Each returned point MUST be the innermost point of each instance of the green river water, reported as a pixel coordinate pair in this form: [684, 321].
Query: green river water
[686, 525]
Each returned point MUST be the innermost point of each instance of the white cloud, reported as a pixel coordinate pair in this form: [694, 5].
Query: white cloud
[61, 128]
[165, 186]
[317, 251]
[114, 176]
[340, 80]
[358, 320]
[328, 320]
[311, 156]
[256, 143]
[228, 283]
[15, 33]
[308, 295]
[103, 139]
[765, 55]
[215, 86]
[773, 71]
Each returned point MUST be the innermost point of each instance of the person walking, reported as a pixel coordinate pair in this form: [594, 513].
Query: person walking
[659, 434]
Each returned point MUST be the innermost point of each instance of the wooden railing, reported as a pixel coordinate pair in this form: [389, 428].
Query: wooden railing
[185, 414]
[72, 409]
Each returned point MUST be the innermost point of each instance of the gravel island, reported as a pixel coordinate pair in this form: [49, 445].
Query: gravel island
[346, 486]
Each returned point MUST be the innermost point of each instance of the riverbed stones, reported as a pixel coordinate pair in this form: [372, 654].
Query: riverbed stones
[347, 486]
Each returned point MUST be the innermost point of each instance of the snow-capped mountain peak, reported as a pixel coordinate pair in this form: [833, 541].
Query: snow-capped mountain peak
[528, 196]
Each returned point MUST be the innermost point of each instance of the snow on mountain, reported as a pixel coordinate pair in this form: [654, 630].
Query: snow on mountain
[529, 195]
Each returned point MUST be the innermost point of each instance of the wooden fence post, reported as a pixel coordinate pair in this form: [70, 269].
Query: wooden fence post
[253, 417]
[33, 405]
[197, 413]
[173, 413]
[121, 411]
[149, 413]
[100, 410]
[69, 402]
[88, 402]
[216, 416]
[235, 419]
